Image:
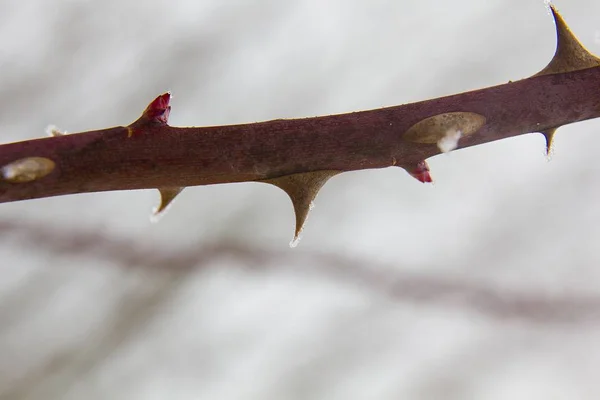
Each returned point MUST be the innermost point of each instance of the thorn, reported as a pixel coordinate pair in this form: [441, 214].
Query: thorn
[549, 136]
[302, 189]
[27, 169]
[166, 197]
[157, 111]
[570, 54]
[420, 172]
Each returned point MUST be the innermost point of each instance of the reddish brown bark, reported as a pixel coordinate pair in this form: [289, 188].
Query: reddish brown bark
[158, 155]
[151, 154]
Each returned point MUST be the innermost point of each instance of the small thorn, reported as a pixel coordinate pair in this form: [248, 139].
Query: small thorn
[420, 172]
[570, 54]
[157, 111]
[167, 195]
[302, 189]
[549, 136]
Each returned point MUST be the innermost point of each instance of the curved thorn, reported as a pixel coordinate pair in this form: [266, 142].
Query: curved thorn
[570, 54]
[302, 189]
[549, 136]
[166, 197]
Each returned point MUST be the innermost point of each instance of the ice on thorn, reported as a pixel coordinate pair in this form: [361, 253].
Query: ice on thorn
[548, 4]
[449, 141]
[295, 241]
[156, 216]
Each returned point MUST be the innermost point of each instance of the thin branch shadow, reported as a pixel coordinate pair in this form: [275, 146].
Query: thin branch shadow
[402, 286]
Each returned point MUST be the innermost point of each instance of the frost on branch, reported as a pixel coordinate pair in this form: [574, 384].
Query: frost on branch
[53, 131]
[450, 141]
[436, 128]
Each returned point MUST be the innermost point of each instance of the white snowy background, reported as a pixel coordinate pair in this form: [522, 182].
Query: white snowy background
[485, 285]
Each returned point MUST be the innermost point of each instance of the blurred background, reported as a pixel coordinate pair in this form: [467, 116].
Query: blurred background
[484, 285]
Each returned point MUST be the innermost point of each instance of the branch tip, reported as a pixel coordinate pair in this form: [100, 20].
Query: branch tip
[570, 54]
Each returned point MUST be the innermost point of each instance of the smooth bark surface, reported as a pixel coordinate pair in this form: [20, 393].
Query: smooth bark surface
[162, 156]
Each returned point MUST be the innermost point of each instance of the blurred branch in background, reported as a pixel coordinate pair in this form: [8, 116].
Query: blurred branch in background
[441, 291]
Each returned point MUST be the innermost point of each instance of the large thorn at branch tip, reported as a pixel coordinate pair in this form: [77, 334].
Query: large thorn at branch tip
[302, 189]
[570, 54]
